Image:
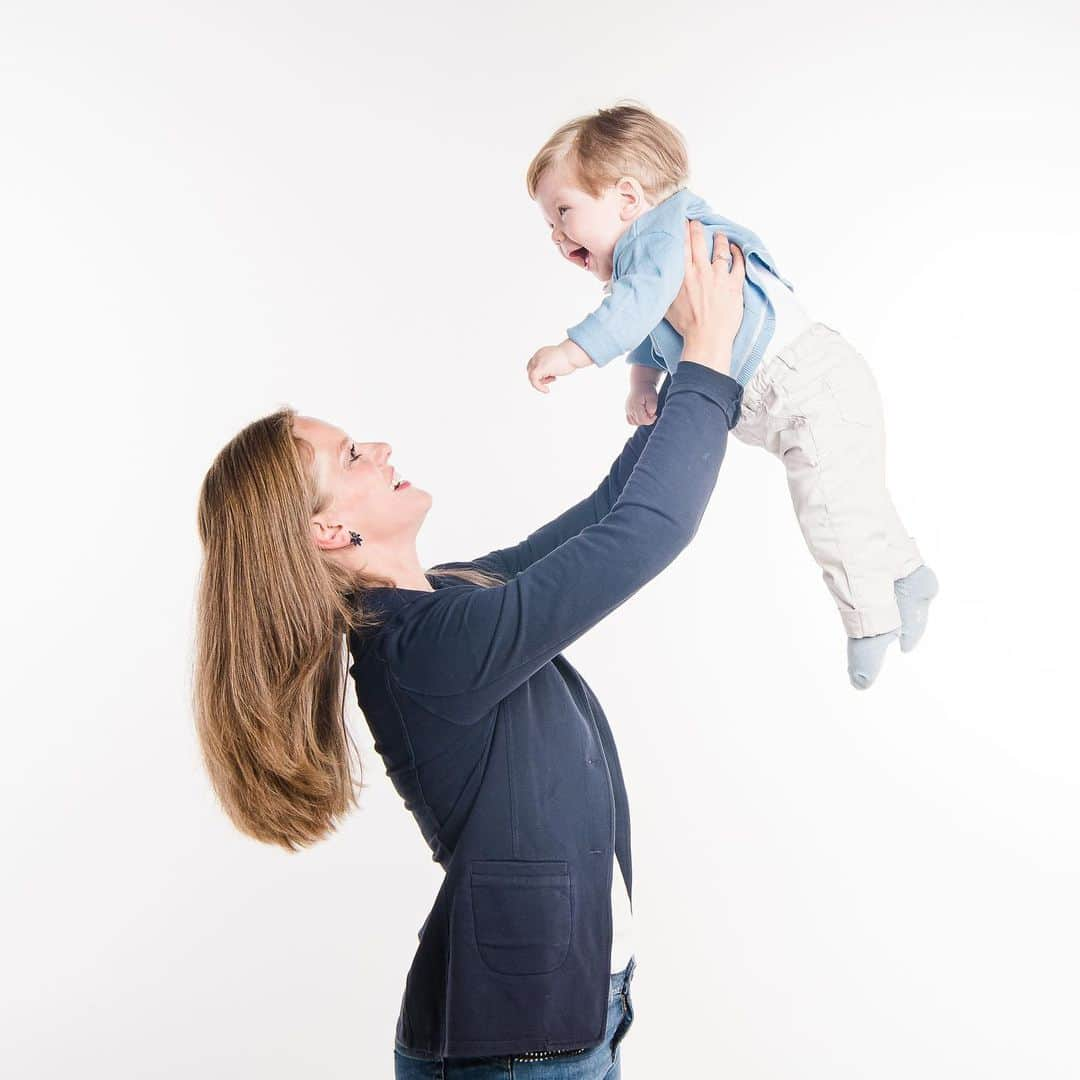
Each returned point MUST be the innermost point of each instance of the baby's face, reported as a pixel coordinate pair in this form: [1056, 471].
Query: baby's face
[585, 229]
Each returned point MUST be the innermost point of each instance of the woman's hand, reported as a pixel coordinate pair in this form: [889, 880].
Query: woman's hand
[709, 308]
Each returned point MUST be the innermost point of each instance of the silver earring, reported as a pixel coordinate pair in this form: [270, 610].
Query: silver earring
[355, 538]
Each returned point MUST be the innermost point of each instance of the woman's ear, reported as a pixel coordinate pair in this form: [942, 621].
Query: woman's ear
[329, 537]
[631, 196]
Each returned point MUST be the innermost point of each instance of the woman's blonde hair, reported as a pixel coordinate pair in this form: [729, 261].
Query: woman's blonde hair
[625, 140]
[271, 651]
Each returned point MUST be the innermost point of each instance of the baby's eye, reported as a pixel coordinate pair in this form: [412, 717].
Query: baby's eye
[352, 452]
[562, 210]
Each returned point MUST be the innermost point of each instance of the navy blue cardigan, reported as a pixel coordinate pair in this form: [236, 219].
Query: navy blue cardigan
[504, 756]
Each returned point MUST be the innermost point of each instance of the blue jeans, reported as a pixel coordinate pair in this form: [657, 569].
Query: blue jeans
[600, 1063]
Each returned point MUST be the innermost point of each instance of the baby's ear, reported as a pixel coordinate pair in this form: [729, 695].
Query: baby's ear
[631, 195]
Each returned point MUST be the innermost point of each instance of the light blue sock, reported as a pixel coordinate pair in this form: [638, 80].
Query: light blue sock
[865, 655]
[913, 596]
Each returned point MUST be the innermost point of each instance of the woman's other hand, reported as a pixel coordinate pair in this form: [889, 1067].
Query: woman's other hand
[709, 308]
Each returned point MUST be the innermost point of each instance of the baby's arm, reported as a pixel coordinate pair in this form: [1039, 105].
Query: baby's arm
[647, 279]
[551, 361]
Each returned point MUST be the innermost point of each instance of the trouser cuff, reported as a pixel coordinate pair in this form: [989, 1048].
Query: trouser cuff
[871, 621]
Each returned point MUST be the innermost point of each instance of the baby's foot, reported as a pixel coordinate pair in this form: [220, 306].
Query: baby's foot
[865, 655]
[913, 596]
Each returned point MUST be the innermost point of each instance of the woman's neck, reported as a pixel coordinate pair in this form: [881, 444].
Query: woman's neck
[417, 580]
[402, 568]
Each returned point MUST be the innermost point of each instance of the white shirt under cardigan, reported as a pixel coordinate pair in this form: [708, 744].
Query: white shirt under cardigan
[622, 922]
[791, 317]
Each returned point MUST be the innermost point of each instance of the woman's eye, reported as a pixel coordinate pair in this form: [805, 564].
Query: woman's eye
[562, 210]
[352, 453]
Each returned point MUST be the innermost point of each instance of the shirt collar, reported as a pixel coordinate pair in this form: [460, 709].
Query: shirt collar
[663, 216]
[389, 598]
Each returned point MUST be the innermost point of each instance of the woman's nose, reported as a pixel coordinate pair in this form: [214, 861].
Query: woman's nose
[378, 451]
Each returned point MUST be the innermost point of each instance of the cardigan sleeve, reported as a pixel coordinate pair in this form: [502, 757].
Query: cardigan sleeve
[643, 356]
[647, 279]
[508, 561]
[460, 649]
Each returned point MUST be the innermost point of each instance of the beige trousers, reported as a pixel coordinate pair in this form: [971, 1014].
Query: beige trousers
[815, 405]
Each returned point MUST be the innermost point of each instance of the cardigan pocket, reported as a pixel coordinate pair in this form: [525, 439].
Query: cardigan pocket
[522, 914]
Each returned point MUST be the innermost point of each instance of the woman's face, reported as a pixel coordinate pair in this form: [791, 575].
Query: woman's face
[358, 480]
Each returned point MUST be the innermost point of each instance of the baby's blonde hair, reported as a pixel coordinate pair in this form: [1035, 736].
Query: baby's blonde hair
[625, 140]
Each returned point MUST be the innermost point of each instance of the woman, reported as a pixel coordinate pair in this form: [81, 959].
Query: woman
[496, 744]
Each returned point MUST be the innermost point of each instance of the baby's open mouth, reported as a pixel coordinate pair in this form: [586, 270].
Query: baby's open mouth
[582, 256]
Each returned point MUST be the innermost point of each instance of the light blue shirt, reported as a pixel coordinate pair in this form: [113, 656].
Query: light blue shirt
[646, 276]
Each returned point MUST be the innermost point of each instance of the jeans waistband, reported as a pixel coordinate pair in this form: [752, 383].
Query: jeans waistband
[621, 979]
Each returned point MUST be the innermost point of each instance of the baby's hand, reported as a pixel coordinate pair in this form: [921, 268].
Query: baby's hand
[642, 400]
[641, 405]
[554, 360]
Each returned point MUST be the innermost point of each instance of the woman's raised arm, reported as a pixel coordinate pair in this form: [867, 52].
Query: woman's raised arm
[509, 561]
[460, 650]
[691, 314]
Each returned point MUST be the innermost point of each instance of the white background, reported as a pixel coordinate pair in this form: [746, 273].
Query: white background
[209, 210]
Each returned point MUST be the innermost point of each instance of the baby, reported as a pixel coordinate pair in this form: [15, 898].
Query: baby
[611, 189]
